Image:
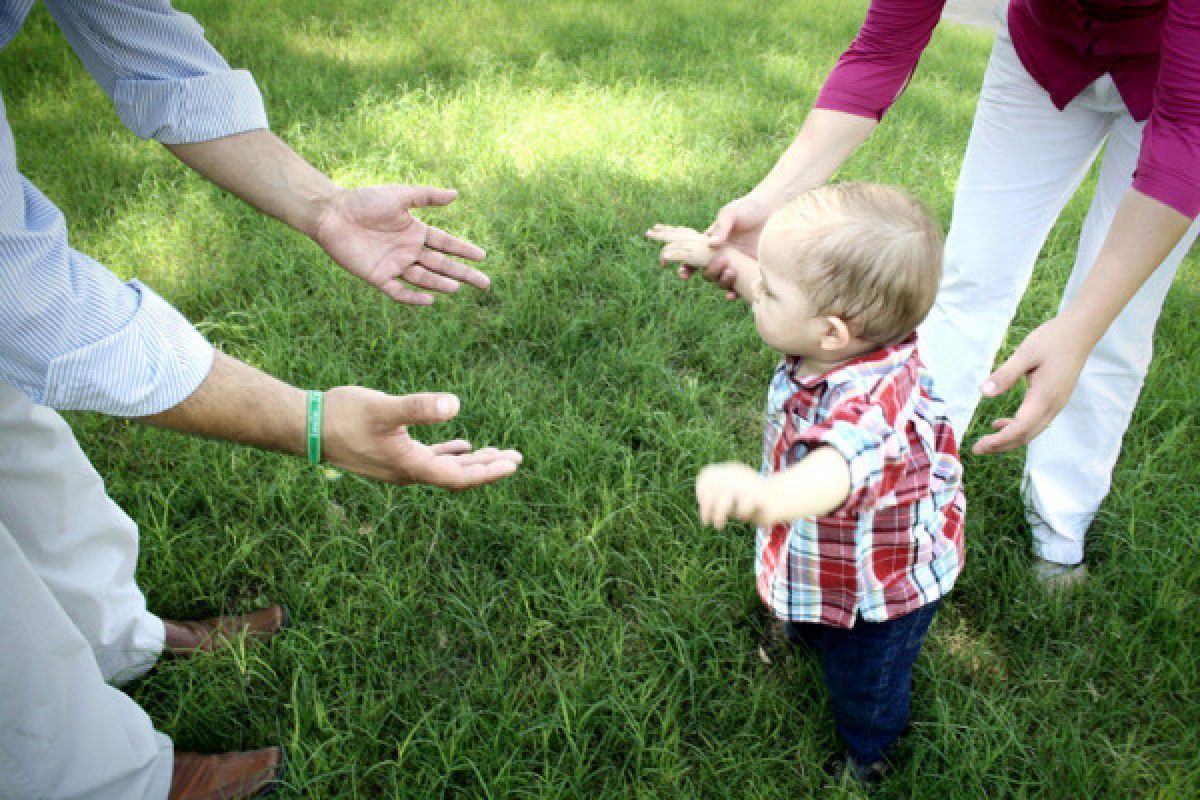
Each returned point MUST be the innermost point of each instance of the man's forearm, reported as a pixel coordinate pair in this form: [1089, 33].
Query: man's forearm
[241, 404]
[825, 141]
[1142, 234]
[263, 170]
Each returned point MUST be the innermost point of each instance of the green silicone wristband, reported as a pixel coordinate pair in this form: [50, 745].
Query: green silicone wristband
[315, 402]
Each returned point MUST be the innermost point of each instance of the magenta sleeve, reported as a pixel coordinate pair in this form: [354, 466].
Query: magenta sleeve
[873, 72]
[1169, 164]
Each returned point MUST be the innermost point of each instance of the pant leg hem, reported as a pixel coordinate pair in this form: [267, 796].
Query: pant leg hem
[160, 787]
[148, 642]
[1054, 547]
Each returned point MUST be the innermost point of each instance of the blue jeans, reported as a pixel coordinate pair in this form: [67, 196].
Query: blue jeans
[868, 670]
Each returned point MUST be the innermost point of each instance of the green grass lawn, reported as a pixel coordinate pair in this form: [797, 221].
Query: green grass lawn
[574, 631]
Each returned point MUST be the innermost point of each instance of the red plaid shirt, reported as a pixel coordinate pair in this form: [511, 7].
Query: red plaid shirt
[896, 544]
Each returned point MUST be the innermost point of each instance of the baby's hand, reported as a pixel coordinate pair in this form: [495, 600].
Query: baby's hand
[731, 490]
[684, 246]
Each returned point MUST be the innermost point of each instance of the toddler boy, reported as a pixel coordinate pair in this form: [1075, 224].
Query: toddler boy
[859, 502]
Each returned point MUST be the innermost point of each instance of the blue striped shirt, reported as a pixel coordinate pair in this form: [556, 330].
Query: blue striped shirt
[72, 335]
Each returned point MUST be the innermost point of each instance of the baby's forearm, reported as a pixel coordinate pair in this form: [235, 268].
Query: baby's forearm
[746, 269]
[813, 486]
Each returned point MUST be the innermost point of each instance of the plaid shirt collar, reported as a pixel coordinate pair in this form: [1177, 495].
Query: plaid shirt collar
[893, 369]
[880, 359]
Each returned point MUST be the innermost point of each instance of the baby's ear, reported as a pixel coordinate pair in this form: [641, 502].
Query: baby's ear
[837, 334]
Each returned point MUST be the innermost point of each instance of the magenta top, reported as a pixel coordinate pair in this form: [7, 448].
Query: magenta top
[1150, 47]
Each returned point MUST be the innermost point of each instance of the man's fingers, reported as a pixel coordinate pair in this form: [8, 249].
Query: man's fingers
[490, 472]
[449, 268]
[515, 456]
[486, 455]
[423, 196]
[451, 448]
[419, 274]
[438, 239]
[456, 467]
[447, 473]
[426, 408]
[402, 294]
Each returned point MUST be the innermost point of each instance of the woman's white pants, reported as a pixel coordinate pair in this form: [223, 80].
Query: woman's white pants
[1024, 161]
[72, 622]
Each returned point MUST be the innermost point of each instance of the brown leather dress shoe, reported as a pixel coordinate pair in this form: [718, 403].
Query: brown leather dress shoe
[185, 637]
[229, 776]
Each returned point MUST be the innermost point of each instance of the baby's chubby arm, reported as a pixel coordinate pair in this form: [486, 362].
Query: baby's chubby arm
[814, 485]
[690, 249]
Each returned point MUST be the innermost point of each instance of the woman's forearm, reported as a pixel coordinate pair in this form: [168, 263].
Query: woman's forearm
[823, 144]
[1142, 234]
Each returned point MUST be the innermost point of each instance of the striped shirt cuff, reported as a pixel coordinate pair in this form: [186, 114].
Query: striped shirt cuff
[187, 110]
[153, 363]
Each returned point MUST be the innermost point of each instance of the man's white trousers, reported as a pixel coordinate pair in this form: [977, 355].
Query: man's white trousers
[1024, 161]
[72, 622]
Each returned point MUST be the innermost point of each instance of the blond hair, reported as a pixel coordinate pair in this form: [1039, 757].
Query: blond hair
[867, 253]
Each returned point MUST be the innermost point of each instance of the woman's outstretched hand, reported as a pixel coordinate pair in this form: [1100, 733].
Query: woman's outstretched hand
[739, 224]
[1051, 358]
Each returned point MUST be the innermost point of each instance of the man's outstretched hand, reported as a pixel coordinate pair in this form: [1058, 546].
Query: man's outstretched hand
[364, 431]
[367, 432]
[371, 232]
